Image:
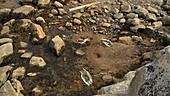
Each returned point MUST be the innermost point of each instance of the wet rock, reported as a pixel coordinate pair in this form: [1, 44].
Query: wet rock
[38, 32]
[23, 44]
[5, 51]
[142, 12]
[43, 2]
[166, 20]
[54, 11]
[58, 4]
[153, 10]
[158, 2]
[62, 11]
[77, 21]
[126, 8]
[5, 40]
[151, 17]
[106, 25]
[40, 20]
[107, 78]
[153, 78]
[19, 73]
[4, 74]
[8, 90]
[118, 16]
[118, 89]
[77, 15]
[23, 11]
[137, 28]
[5, 30]
[27, 55]
[58, 44]
[37, 61]
[131, 15]
[134, 21]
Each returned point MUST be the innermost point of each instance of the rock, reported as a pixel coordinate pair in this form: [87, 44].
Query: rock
[115, 10]
[43, 2]
[118, 16]
[37, 91]
[37, 61]
[68, 24]
[107, 78]
[118, 89]
[23, 11]
[62, 11]
[126, 8]
[134, 21]
[23, 44]
[58, 4]
[8, 90]
[4, 74]
[27, 55]
[158, 2]
[18, 73]
[137, 27]
[147, 56]
[77, 21]
[137, 39]
[166, 20]
[58, 44]
[106, 25]
[153, 10]
[126, 40]
[157, 25]
[131, 15]
[25, 1]
[38, 31]
[5, 30]
[142, 12]
[4, 13]
[18, 86]
[122, 20]
[153, 78]
[5, 51]
[151, 17]
[5, 40]
[80, 52]
[40, 20]
[168, 2]
[54, 11]
[77, 15]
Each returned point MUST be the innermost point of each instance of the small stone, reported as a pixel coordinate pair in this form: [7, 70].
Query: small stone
[31, 74]
[40, 20]
[137, 27]
[126, 8]
[153, 10]
[118, 16]
[58, 4]
[5, 40]
[142, 12]
[157, 25]
[19, 72]
[23, 44]
[91, 20]
[80, 52]
[77, 15]
[8, 90]
[58, 44]
[106, 25]
[27, 55]
[77, 21]
[39, 31]
[4, 74]
[122, 20]
[168, 2]
[23, 11]
[166, 20]
[68, 24]
[21, 51]
[62, 11]
[137, 39]
[43, 2]
[158, 2]
[126, 40]
[147, 56]
[37, 91]
[5, 30]
[151, 17]
[18, 86]
[107, 78]
[131, 15]
[54, 11]
[5, 51]
[135, 21]
[115, 10]
[37, 61]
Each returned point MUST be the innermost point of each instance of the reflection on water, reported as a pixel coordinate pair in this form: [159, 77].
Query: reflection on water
[9, 3]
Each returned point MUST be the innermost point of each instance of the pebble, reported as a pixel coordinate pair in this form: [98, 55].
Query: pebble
[135, 21]
[126, 40]
[19, 72]
[69, 24]
[40, 20]
[157, 25]
[118, 16]
[38, 31]
[43, 2]
[4, 73]
[77, 21]
[158, 2]
[153, 10]
[166, 20]
[62, 11]
[23, 44]
[106, 25]
[5, 30]
[27, 55]
[126, 8]
[107, 78]
[142, 12]
[77, 15]
[131, 15]
[115, 10]
[151, 17]
[54, 11]
[122, 20]
[37, 61]
[137, 27]
[58, 4]
[5, 40]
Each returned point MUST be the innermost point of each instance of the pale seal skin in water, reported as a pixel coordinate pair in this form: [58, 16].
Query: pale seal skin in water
[86, 77]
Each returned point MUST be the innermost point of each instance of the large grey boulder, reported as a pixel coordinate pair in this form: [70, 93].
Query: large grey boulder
[154, 78]
[4, 74]
[5, 51]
